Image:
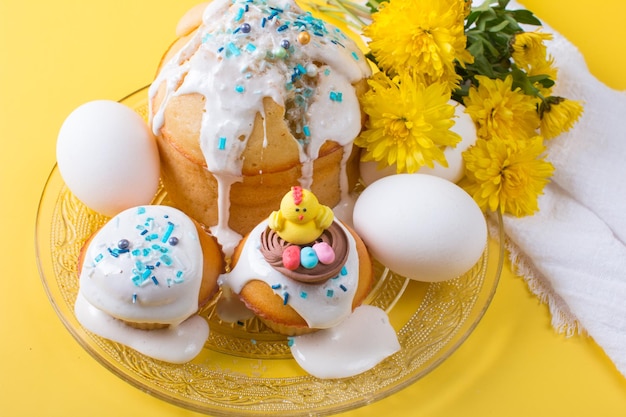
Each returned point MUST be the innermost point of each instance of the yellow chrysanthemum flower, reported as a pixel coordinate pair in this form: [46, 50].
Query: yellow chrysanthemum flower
[558, 115]
[409, 123]
[425, 36]
[501, 112]
[507, 175]
[528, 48]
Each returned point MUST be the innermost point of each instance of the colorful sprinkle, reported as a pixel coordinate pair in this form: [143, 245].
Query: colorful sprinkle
[306, 130]
[239, 14]
[141, 210]
[250, 47]
[285, 298]
[134, 298]
[336, 96]
[276, 286]
[343, 288]
[168, 232]
[99, 257]
[232, 49]
[303, 294]
[282, 28]
[355, 56]
[330, 293]
[240, 88]
[155, 280]
[344, 271]
[222, 143]
[167, 260]
[290, 341]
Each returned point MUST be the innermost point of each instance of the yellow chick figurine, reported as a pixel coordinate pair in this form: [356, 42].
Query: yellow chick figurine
[301, 218]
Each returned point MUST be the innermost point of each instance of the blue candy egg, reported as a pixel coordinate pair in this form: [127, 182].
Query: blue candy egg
[308, 258]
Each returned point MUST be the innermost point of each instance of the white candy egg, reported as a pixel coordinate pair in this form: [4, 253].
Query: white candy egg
[108, 157]
[421, 226]
[463, 125]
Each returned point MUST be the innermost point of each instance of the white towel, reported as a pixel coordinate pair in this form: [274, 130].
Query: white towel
[573, 251]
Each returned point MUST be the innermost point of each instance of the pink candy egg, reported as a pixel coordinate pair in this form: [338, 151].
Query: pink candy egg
[325, 253]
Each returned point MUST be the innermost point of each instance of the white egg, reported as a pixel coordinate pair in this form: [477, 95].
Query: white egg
[108, 157]
[421, 226]
[463, 125]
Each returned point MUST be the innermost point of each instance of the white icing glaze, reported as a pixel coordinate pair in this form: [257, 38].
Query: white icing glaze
[354, 346]
[152, 281]
[175, 344]
[321, 305]
[235, 70]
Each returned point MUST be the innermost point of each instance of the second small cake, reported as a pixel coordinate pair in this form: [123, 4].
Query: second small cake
[301, 269]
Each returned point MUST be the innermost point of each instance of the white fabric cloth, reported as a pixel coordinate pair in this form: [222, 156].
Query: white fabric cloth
[573, 251]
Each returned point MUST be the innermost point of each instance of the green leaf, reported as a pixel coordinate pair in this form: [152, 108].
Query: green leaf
[499, 26]
[526, 17]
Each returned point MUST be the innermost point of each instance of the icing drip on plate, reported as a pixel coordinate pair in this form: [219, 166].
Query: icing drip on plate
[248, 50]
[354, 346]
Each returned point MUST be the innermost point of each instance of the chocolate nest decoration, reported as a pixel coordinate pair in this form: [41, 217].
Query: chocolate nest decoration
[272, 247]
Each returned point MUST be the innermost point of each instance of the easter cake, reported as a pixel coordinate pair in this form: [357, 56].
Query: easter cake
[301, 269]
[256, 97]
[150, 268]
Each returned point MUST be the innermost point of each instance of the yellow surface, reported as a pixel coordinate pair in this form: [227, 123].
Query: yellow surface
[58, 55]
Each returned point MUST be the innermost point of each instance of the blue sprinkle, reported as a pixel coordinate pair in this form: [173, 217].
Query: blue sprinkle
[220, 49]
[153, 236]
[263, 22]
[250, 47]
[222, 144]
[355, 56]
[150, 267]
[285, 298]
[179, 274]
[156, 282]
[327, 72]
[166, 260]
[253, 341]
[306, 130]
[136, 252]
[240, 88]
[137, 280]
[276, 286]
[338, 43]
[303, 294]
[232, 48]
[144, 232]
[329, 293]
[158, 264]
[146, 274]
[169, 282]
[272, 15]
[206, 37]
[239, 14]
[113, 253]
[99, 257]
[140, 266]
[336, 96]
[134, 298]
[282, 28]
[301, 69]
[141, 210]
[344, 271]
[343, 288]
[146, 252]
[168, 232]
[290, 341]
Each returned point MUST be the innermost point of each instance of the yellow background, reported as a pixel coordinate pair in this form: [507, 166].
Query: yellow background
[58, 55]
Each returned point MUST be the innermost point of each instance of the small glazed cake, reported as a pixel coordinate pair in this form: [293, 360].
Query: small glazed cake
[259, 96]
[301, 270]
[150, 268]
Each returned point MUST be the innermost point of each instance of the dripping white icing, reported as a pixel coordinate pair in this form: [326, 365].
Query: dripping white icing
[354, 346]
[234, 69]
[175, 344]
[321, 305]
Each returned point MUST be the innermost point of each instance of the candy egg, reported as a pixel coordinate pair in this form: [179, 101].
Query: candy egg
[108, 157]
[291, 257]
[463, 125]
[324, 252]
[308, 258]
[421, 226]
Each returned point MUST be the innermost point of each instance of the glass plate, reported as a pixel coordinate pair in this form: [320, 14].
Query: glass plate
[246, 369]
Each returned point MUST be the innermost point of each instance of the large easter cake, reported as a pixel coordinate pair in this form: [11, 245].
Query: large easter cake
[258, 97]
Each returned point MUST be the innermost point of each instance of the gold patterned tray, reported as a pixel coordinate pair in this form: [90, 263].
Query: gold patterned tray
[245, 368]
